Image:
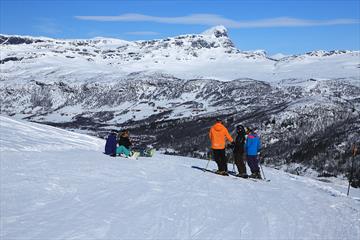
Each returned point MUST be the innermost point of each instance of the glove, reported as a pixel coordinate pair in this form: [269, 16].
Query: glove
[231, 145]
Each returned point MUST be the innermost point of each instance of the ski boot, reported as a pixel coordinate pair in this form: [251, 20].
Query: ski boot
[223, 173]
[255, 175]
[242, 175]
[258, 175]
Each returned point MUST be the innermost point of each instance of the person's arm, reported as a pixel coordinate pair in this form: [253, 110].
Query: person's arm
[259, 145]
[228, 136]
[246, 144]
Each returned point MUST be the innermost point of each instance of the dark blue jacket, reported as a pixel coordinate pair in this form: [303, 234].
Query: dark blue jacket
[252, 145]
[240, 143]
[110, 146]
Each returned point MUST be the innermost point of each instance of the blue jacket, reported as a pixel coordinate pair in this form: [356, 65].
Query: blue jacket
[252, 145]
[110, 146]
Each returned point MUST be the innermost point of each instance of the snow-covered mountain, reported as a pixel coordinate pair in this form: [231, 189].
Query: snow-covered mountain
[211, 54]
[58, 185]
[169, 91]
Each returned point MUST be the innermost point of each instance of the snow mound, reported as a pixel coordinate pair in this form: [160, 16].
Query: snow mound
[77, 192]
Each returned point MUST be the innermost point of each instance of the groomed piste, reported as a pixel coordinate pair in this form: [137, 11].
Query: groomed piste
[57, 184]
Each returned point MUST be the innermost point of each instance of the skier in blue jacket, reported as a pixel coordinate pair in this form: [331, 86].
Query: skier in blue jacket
[252, 148]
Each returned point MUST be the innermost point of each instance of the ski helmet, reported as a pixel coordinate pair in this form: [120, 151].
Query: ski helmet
[240, 128]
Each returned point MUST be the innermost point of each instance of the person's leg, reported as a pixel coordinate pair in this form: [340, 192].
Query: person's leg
[239, 161]
[121, 149]
[217, 158]
[242, 164]
[223, 160]
[251, 163]
[254, 166]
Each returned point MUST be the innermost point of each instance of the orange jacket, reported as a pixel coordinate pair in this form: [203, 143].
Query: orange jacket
[217, 135]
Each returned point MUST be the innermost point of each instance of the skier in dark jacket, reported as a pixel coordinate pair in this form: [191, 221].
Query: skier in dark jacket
[124, 144]
[239, 151]
[252, 148]
[110, 145]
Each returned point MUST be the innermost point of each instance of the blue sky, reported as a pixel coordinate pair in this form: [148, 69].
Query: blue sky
[285, 26]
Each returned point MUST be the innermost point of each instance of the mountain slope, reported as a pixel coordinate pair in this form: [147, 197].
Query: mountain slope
[73, 191]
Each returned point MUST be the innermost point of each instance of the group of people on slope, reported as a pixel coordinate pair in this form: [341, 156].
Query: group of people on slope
[247, 142]
[118, 144]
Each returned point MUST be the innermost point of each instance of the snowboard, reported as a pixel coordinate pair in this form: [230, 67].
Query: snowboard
[135, 155]
[146, 152]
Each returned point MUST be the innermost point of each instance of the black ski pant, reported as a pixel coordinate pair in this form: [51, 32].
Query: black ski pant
[239, 162]
[253, 163]
[220, 159]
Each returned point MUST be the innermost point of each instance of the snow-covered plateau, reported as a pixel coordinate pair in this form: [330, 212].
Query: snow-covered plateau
[210, 55]
[169, 91]
[57, 184]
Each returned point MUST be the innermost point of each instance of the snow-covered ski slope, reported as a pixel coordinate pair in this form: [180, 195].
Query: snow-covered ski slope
[59, 185]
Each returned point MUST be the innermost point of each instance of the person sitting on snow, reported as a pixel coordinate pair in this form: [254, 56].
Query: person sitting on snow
[252, 148]
[124, 144]
[110, 145]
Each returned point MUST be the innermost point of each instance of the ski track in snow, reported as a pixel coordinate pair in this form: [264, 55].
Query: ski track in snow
[70, 190]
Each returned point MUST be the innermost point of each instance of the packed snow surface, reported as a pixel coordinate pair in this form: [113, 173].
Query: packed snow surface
[59, 185]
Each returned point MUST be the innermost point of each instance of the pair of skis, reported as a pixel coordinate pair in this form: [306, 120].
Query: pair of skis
[249, 178]
[230, 174]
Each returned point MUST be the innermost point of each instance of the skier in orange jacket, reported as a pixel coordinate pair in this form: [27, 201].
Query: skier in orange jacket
[218, 135]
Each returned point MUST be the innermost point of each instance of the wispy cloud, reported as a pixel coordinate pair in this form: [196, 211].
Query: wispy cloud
[212, 19]
[142, 33]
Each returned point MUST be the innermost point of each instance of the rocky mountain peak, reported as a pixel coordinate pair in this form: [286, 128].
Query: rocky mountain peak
[217, 31]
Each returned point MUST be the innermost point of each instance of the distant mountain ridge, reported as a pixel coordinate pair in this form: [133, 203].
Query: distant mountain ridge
[211, 54]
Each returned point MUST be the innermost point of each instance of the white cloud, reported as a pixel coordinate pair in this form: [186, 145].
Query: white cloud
[142, 33]
[212, 19]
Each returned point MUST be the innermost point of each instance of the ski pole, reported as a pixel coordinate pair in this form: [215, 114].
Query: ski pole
[354, 150]
[207, 164]
[262, 171]
[234, 166]
[233, 161]
[208, 161]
